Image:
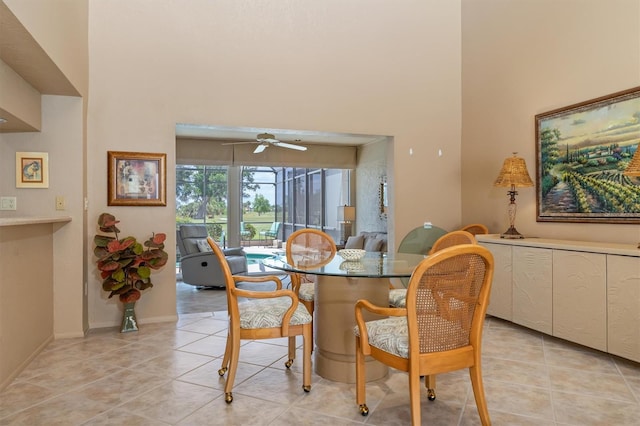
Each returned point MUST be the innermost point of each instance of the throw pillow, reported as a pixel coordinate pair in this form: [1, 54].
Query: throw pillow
[373, 244]
[203, 245]
[354, 242]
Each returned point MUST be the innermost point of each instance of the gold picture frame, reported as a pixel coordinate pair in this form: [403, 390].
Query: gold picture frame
[136, 179]
[582, 151]
[32, 170]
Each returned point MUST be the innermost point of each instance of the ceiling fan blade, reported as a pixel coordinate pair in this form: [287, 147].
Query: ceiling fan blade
[238, 143]
[260, 148]
[290, 146]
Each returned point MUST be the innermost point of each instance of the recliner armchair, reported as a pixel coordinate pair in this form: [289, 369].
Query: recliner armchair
[200, 267]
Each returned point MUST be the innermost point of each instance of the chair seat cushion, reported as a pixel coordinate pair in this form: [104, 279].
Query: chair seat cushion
[268, 313]
[392, 335]
[398, 297]
[307, 292]
[389, 334]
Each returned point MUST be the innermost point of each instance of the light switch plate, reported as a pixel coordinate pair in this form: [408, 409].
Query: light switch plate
[8, 203]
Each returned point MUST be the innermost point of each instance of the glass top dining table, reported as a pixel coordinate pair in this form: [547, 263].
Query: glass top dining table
[339, 284]
[372, 265]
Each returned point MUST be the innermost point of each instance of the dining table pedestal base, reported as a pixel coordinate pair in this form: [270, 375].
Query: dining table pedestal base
[335, 299]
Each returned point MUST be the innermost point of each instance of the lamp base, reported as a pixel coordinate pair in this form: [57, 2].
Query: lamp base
[511, 233]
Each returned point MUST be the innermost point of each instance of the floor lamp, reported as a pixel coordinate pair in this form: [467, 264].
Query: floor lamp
[514, 175]
[633, 169]
[346, 215]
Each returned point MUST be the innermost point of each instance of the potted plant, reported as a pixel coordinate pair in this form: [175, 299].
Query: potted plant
[125, 265]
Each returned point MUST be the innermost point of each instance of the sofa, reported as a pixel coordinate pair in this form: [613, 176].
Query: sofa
[199, 265]
[375, 241]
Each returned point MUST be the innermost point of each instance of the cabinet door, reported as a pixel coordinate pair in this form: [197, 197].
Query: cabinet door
[500, 299]
[532, 296]
[623, 294]
[580, 298]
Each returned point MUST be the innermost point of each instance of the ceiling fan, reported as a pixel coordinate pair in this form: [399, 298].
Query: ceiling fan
[264, 140]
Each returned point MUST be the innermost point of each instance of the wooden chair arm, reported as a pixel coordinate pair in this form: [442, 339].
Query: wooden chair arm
[363, 304]
[252, 294]
[259, 279]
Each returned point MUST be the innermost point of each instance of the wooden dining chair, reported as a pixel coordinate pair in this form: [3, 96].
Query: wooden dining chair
[440, 330]
[311, 249]
[397, 296]
[266, 315]
[475, 228]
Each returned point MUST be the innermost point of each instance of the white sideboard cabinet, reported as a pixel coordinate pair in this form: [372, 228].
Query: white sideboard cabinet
[580, 291]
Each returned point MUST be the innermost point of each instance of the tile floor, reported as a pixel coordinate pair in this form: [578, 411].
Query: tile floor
[166, 374]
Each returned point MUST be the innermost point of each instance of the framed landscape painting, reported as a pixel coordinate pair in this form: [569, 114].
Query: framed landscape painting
[582, 152]
[136, 179]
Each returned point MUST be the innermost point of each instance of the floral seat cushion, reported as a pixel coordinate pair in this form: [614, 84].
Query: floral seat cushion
[268, 313]
[398, 297]
[392, 335]
[307, 292]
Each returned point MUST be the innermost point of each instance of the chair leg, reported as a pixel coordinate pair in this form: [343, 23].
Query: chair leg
[430, 384]
[225, 358]
[414, 395]
[234, 355]
[307, 344]
[310, 305]
[478, 393]
[361, 393]
[292, 351]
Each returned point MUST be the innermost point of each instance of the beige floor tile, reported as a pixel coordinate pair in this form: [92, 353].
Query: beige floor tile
[607, 386]
[66, 409]
[519, 372]
[588, 360]
[20, 395]
[119, 416]
[242, 411]
[210, 346]
[296, 416]
[273, 385]
[587, 410]
[528, 401]
[172, 402]
[173, 363]
[207, 375]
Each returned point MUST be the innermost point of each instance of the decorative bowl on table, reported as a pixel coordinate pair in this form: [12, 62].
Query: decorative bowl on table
[352, 266]
[351, 255]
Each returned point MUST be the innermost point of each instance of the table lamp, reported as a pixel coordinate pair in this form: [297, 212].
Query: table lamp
[514, 174]
[346, 215]
[633, 169]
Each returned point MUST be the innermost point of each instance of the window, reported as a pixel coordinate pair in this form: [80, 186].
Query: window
[298, 197]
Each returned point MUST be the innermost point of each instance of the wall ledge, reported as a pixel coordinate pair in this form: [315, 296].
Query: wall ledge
[35, 220]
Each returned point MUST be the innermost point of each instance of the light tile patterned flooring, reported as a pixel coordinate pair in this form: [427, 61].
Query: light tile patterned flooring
[166, 374]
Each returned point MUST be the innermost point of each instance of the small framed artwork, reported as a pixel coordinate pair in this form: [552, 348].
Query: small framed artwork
[136, 179]
[582, 152]
[32, 170]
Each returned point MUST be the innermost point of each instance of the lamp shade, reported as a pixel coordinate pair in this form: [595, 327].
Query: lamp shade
[514, 172]
[633, 169]
[346, 213]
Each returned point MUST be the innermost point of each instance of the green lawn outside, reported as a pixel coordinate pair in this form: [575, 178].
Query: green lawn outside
[262, 222]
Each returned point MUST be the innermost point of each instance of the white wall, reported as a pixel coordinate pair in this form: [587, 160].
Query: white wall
[524, 58]
[375, 67]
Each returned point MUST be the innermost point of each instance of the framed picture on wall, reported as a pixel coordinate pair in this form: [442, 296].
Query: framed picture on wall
[32, 170]
[136, 179]
[582, 151]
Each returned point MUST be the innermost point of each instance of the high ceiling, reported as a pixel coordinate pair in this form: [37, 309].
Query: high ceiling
[223, 133]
